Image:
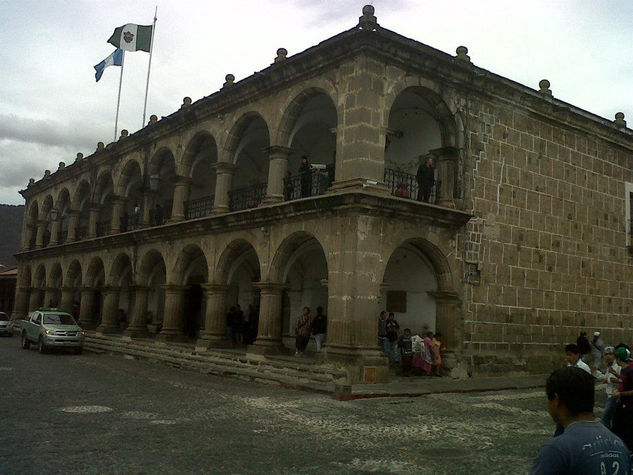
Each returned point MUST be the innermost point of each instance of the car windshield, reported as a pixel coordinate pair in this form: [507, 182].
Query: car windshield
[4, 316]
[59, 319]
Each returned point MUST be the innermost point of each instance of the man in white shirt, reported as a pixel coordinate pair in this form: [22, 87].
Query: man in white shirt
[573, 358]
[612, 378]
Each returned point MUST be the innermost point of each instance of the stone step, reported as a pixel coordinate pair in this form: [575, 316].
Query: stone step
[285, 372]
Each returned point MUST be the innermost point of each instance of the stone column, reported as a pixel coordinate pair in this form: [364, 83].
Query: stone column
[51, 297]
[21, 303]
[86, 307]
[214, 334]
[109, 323]
[270, 319]
[68, 293]
[148, 204]
[181, 194]
[118, 206]
[172, 321]
[138, 325]
[41, 229]
[93, 216]
[446, 164]
[223, 178]
[55, 231]
[447, 319]
[73, 222]
[29, 230]
[277, 168]
[35, 299]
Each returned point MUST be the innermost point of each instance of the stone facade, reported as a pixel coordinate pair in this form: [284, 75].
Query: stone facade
[523, 243]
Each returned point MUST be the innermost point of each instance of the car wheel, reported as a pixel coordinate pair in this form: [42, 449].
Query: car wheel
[78, 351]
[26, 344]
[41, 347]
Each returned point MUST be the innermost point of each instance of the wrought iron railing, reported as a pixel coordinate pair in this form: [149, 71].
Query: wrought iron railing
[304, 185]
[199, 207]
[405, 185]
[247, 197]
[103, 228]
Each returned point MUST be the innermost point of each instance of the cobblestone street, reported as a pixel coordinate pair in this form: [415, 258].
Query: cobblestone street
[97, 413]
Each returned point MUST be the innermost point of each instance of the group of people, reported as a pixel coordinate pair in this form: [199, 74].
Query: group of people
[306, 326]
[582, 443]
[420, 354]
[241, 328]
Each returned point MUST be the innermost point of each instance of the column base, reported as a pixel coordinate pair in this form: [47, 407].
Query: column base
[210, 341]
[363, 365]
[108, 328]
[267, 347]
[136, 332]
[165, 336]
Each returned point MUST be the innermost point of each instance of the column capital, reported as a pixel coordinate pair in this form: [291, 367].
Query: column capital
[278, 151]
[139, 288]
[224, 167]
[174, 287]
[214, 288]
[182, 180]
[110, 289]
[269, 287]
[88, 288]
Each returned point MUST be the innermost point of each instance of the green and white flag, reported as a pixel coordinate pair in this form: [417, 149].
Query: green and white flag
[132, 37]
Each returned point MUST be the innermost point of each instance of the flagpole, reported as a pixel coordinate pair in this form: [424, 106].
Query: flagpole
[118, 101]
[149, 67]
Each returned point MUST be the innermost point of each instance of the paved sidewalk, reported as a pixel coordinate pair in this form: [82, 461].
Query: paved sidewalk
[420, 385]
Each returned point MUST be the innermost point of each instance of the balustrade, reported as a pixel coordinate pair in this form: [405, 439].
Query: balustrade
[247, 197]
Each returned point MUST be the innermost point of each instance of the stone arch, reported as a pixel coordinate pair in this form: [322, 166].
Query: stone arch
[30, 225]
[95, 275]
[201, 142]
[152, 274]
[45, 215]
[63, 205]
[192, 271]
[230, 256]
[104, 200]
[162, 180]
[121, 270]
[25, 277]
[39, 278]
[130, 184]
[300, 263]
[81, 203]
[54, 286]
[73, 274]
[38, 287]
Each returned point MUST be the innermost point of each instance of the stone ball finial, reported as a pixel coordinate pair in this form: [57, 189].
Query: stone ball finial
[619, 119]
[543, 85]
[100, 146]
[61, 166]
[368, 21]
[186, 102]
[124, 133]
[79, 157]
[229, 80]
[31, 182]
[47, 173]
[281, 54]
[462, 53]
[153, 119]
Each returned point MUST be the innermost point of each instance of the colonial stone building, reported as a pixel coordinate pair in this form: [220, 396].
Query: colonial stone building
[525, 240]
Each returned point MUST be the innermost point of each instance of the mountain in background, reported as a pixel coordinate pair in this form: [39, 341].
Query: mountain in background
[10, 231]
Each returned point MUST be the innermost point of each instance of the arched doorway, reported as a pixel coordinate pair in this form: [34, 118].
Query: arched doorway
[198, 161]
[162, 180]
[152, 273]
[54, 287]
[72, 289]
[121, 278]
[92, 296]
[192, 272]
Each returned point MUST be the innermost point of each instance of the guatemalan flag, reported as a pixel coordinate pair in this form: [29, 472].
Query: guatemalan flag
[132, 37]
[115, 59]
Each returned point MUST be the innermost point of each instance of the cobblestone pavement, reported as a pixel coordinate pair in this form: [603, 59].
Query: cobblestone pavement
[97, 413]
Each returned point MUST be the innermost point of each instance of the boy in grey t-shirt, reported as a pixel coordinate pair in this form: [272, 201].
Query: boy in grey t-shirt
[586, 446]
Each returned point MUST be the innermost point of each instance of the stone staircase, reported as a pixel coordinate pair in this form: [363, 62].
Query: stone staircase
[287, 371]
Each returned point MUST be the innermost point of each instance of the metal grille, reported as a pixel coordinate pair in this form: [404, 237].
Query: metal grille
[247, 197]
[305, 185]
[199, 207]
[405, 185]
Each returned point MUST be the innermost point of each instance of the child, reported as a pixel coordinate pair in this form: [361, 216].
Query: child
[406, 351]
[436, 351]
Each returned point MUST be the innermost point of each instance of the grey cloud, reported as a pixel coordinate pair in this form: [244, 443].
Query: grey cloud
[44, 132]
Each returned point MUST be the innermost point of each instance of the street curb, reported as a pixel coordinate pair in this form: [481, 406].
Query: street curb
[352, 396]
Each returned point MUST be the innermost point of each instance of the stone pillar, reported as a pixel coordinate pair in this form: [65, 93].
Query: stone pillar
[446, 164]
[93, 216]
[353, 308]
[55, 232]
[73, 223]
[277, 168]
[223, 178]
[41, 229]
[447, 319]
[21, 303]
[35, 299]
[86, 307]
[138, 325]
[270, 319]
[360, 158]
[214, 334]
[118, 206]
[109, 323]
[68, 294]
[148, 204]
[172, 321]
[181, 194]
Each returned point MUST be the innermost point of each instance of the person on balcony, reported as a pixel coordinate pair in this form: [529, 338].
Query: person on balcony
[305, 173]
[426, 179]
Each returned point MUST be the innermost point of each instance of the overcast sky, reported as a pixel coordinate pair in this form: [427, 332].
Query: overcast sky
[51, 107]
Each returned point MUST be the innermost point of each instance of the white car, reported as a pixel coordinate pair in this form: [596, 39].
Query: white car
[6, 325]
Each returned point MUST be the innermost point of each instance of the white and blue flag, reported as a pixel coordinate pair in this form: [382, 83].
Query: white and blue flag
[115, 59]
